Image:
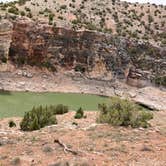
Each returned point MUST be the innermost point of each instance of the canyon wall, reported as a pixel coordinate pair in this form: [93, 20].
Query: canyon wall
[96, 55]
[6, 30]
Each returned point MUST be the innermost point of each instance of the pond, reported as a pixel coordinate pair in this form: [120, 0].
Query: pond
[14, 104]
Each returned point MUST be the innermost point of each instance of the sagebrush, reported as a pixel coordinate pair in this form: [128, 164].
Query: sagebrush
[124, 113]
[41, 116]
[79, 113]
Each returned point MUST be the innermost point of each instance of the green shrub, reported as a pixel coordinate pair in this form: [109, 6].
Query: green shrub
[13, 10]
[106, 30]
[79, 68]
[27, 9]
[37, 118]
[42, 116]
[49, 66]
[4, 59]
[60, 17]
[29, 15]
[79, 113]
[22, 2]
[150, 19]
[59, 109]
[22, 13]
[90, 26]
[124, 113]
[51, 17]
[11, 124]
[63, 7]
[160, 80]
[76, 21]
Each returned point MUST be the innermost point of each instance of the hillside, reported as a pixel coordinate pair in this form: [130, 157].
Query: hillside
[133, 20]
[67, 65]
[97, 144]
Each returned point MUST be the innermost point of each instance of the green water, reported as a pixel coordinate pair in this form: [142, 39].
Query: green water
[14, 104]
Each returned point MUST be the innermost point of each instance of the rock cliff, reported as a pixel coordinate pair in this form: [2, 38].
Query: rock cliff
[6, 29]
[96, 55]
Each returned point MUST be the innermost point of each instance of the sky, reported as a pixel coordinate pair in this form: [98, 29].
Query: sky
[141, 1]
[151, 1]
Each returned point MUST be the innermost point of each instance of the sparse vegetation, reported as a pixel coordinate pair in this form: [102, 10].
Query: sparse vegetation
[160, 80]
[51, 17]
[124, 113]
[13, 10]
[87, 62]
[22, 13]
[22, 2]
[97, 16]
[48, 64]
[16, 161]
[37, 118]
[11, 124]
[47, 149]
[79, 113]
[42, 116]
[79, 68]
[150, 19]
[59, 109]
[3, 59]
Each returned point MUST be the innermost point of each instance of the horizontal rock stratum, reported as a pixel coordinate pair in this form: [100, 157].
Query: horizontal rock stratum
[95, 54]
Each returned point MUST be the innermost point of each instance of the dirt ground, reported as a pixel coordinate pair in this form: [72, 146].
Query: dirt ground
[95, 144]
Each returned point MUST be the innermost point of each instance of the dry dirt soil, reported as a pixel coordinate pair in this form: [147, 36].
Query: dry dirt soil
[94, 144]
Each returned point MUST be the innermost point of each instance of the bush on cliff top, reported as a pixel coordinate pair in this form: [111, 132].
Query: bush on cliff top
[13, 10]
[124, 113]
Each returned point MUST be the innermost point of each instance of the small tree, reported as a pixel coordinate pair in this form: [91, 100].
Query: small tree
[13, 10]
[51, 17]
[113, 2]
[150, 19]
[37, 118]
[79, 113]
[11, 124]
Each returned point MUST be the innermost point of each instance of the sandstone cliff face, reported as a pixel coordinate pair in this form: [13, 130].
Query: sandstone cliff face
[96, 55]
[5, 39]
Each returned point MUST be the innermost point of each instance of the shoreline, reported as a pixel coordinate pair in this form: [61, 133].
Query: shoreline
[42, 82]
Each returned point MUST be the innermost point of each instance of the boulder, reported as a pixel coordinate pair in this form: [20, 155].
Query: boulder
[152, 98]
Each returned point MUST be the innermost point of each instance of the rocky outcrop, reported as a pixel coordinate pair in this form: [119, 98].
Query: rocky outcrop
[5, 39]
[96, 55]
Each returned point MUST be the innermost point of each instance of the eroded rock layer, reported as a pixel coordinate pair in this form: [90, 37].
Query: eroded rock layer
[95, 54]
[6, 28]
